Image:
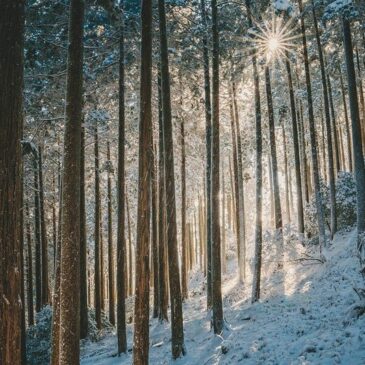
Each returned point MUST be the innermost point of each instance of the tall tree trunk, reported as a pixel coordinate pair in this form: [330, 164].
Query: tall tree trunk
[110, 243]
[361, 97]
[274, 161]
[97, 272]
[121, 245]
[130, 254]
[101, 258]
[208, 143]
[241, 203]
[83, 244]
[38, 244]
[70, 229]
[141, 304]
[236, 190]
[29, 256]
[216, 238]
[184, 276]
[177, 339]
[294, 119]
[43, 232]
[223, 210]
[286, 174]
[334, 127]
[258, 226]
[162, 284]
[347, 125]
[356, 140]
[154, 231]
[57, 284]
[318, 195]
[326, 98]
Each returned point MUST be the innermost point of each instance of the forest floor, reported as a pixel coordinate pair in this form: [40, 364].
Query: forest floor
[304, 317]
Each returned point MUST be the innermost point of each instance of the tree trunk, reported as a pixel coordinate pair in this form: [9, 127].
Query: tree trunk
[29, 256]
[184, 276]
[83, 244]
[162, 285]
[356, 140]
[38, 244]
[318, 195]
[208, 143]
[110, 243]
[141, 304]
[97, 272]
[241, 203]
[237, 194]
[347, 125]
[57, 284]
[154, 232]
[44, 247]
[326, 98]
[258, 226]
[216, 244]
[297, 164]
[70, 229]
[177, 338]
[121, 246]
[274, 161]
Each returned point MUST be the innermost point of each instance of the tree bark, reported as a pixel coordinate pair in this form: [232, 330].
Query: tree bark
[38, 241]
[83, 244]
[121, 244]
[44, 247]
[177, 338]
[208, 142]
[215, 181]
[97, 272]
[258, 226]
[30, 306]
[70, 229]
[141, 304]
[110, 243]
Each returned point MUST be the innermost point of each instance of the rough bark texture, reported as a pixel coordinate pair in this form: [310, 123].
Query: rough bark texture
[184, 273]
[110, 244]
[30, 306]
[177, 337]
[208, 142]
[154, 242]
[162, 285]
[121, 249]
[97, 272]
[38, 244]
[69, 351]
[44, 240]
[215, 181]
[83, 245]
[258, 227]
[141, 304]
[11, 125]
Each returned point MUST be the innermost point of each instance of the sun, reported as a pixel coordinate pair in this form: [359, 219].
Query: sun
[273, 39]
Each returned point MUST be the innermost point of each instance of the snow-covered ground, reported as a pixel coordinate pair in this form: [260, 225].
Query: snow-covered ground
[304, 317]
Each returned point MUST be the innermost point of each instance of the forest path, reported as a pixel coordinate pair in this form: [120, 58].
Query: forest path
[301, 319]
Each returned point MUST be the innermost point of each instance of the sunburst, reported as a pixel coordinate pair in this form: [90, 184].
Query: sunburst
[274, 40]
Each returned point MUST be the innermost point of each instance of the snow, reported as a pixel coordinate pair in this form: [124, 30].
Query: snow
[304, 317]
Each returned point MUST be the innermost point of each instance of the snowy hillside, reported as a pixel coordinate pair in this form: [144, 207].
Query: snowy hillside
[303, 318]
